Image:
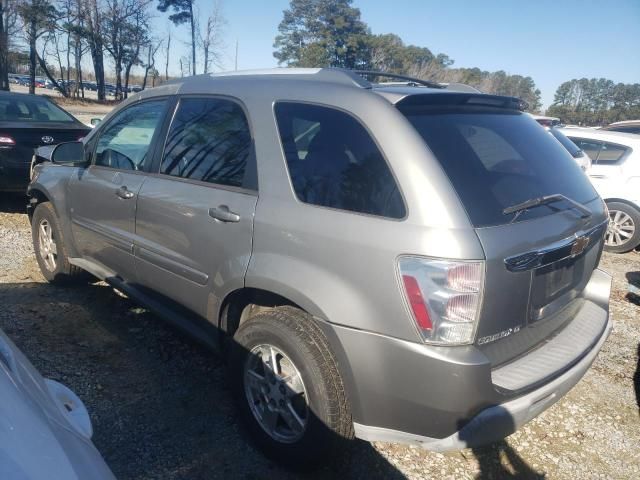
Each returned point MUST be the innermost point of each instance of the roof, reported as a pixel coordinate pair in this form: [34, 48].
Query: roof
[338, 77]
[628, 139]
[625, 122]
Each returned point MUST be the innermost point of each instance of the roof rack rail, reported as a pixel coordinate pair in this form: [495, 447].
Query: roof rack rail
[418, 81]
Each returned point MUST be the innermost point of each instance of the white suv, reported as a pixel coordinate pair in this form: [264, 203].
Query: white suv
[615, 173]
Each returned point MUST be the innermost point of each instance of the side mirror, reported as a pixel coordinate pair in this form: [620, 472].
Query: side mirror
[95, 121]
[69, 153]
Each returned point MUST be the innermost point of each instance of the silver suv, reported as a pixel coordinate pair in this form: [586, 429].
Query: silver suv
[392, 262]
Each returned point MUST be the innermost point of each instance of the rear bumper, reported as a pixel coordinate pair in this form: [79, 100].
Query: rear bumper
[448, 398]
[14, 173]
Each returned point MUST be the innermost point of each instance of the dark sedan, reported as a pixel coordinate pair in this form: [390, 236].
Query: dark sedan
[27, 122]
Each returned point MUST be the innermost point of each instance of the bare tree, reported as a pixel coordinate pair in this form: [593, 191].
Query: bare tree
[93, 16]
[152, 49]
[211, 39]
[166, 67]
[183, 13]
[125, 29]
[39, 17]
[8, 23]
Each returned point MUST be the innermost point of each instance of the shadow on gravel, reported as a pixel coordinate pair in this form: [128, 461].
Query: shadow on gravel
[13, 202]
[633, 294]
[499, 460]
[159, 402]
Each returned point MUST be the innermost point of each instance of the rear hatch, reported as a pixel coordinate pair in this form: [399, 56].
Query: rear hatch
[538, 258]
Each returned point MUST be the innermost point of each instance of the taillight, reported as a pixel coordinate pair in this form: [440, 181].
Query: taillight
[444, 298]
[6, 140]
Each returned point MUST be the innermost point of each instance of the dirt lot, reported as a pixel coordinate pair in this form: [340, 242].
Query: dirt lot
[161, 410]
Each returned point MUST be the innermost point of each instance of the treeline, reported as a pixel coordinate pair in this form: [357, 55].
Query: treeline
[58, 34]
[331, 33]
[595, 101]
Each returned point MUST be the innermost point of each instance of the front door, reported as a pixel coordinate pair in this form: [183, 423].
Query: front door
[194, 222]
[103, 196]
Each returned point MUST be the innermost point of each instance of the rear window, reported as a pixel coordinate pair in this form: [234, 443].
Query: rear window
[31, 109]
[499, 158]
[333, 161]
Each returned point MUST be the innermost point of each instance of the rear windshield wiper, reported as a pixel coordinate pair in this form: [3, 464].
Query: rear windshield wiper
[546, 200]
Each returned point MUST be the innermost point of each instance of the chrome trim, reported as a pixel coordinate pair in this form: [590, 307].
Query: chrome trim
[535, 258]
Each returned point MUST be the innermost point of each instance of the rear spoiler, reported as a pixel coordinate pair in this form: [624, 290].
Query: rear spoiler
[462, 100]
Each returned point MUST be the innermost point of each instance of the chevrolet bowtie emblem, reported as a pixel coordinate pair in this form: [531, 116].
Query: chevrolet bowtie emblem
[579, 245]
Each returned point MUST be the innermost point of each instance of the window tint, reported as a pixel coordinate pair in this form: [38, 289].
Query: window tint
[611, 153]
[496, 159]
[571, 147]
[590, 147]
[126, 140]
[209, 140]
[333, 162]
[31, 109]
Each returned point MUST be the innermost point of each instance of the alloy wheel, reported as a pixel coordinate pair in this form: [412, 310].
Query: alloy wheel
[620, 229]
[47, 244]
[276, 393]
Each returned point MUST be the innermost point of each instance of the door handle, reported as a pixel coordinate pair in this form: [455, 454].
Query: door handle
[223, 214]
[124, 193]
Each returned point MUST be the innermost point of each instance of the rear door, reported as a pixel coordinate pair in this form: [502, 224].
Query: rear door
[194, 219]
[103, 196]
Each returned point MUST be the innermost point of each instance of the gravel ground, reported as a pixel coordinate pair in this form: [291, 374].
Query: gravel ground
[161, 409]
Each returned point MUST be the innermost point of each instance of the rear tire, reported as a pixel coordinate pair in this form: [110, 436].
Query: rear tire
[623, 231]
[50, 249]
[299, 348]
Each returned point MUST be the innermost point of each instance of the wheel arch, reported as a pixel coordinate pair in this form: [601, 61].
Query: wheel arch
[241, 304]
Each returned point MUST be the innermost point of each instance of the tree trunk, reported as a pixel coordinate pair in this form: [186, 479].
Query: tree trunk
[4, 51]
[32, 56]
[55, 83]
[166, 67]
[193, 39]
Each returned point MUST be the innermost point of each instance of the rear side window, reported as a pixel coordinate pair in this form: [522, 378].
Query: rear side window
[590, 147]
[611, 153]
[209, 140]
[333, 161]
[499, 158]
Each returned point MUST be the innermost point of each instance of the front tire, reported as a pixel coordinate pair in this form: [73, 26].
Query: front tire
[288, 388]
[50, 249]
[623, 231]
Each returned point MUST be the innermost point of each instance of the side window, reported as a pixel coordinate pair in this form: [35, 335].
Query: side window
[590, 147]
[611, 153]
[125, 141]
[209, 140]
[333, 162]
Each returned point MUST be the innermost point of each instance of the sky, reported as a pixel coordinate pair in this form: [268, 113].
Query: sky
[551, 41]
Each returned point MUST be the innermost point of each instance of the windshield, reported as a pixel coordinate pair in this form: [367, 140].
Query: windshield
[499, 158]
[27, 108]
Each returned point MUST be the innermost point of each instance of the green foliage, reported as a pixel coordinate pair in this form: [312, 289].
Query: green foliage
[329, 33]
[595, 101]
[322, 33]
[181, 8]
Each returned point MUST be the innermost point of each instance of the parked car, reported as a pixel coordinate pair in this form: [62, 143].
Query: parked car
[360, 283]
[26, 122]
[547, 121]
[615, 173]
[627, 126]
[582, 159]
[46, 433]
